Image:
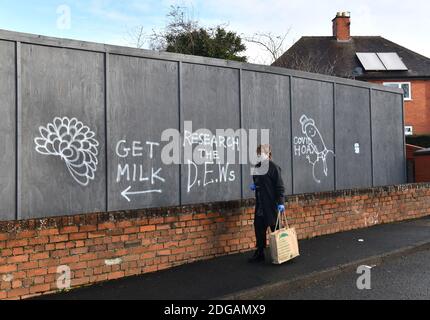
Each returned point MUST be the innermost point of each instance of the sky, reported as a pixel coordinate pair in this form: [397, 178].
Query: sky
[112, 21]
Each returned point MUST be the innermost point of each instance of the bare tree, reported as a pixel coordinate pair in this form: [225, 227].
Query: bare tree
[180, 22]
[309, 63]
[137, 37]
[315, 63]
[274, 45]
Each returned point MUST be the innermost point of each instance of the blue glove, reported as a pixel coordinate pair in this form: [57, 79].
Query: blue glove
[253, 187]
[281, 208]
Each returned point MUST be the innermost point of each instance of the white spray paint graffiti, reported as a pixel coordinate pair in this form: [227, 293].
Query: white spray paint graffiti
[208, 165]
[312, 146]
[371, 219]
[132, 170]
[74, 143]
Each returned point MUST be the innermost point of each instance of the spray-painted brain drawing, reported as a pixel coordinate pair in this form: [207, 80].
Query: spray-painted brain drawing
[74, 143]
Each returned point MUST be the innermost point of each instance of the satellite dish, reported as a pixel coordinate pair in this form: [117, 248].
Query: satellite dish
[358, 71]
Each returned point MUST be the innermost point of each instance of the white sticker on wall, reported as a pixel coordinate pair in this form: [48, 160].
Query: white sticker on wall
[357, 148]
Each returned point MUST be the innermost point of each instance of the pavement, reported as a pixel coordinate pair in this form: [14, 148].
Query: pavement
[404, 278]
[232, 277]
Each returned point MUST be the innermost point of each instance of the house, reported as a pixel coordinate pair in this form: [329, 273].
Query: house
[368, 58]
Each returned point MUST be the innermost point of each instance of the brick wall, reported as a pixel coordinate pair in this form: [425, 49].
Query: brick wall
[150, 240]
[342, 28]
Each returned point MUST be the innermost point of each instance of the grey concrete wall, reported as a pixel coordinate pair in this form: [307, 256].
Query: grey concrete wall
[389, 164]
[82, 125]
[7, 131]
[313, 133]
[353, 146]
[266, 105]
[210, 99]
[143, 102]
[59, 85]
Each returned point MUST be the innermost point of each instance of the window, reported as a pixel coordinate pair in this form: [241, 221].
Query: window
[409, 130]
[406, 86]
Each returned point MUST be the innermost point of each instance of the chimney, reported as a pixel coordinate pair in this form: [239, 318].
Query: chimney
[342, 26]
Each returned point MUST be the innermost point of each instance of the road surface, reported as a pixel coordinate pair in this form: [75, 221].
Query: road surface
[403, 278]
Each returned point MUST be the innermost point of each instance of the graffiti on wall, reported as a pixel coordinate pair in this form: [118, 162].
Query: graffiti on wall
[313, 147]
[72, 142]
[132, 168]
[208, 165]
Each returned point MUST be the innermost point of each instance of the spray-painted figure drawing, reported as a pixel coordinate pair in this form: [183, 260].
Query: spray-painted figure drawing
[316, 142]
[74, 143]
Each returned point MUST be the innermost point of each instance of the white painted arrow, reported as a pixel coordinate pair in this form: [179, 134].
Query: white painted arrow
[127, 193]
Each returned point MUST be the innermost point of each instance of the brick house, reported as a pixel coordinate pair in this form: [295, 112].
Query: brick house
[368, 58]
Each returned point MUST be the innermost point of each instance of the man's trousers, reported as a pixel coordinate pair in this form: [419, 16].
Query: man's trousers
[261, 232]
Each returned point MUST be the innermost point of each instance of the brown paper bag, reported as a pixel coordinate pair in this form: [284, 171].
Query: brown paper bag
[283, 242]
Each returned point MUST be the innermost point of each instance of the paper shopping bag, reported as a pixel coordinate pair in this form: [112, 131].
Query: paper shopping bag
[283, 244]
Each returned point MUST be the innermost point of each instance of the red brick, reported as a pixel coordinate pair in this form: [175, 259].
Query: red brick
[58, 238]
[163, 226]
[147, 228]
[28, 265]
[186, 217]
[69, 229]
[69, 259]
[116, 275]
[26, 234]
[16, 293]
[156, 220]
[87, 228]
[40, 288]
[17, 251]
[164, 252]
[16, 243]
[88, 256]
[124, 224]
[48, 232]
[131, 230]
[79, 265]
[170, 219]
[36, 272]
[17, 259]
[93, 235]
[8, 268]
[78, 236]
[106, 226]
[39, 240]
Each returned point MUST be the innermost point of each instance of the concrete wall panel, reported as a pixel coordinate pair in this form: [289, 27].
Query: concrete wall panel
[143, 102]
[353, 140]
[7, 131]
[62, 159]
[312, 118]
[210, 99]
[266, 105]
[388, 137]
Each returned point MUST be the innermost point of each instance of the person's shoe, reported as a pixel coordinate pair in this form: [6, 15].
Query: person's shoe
[257, 257]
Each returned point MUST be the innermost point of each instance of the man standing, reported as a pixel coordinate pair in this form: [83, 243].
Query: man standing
[269, 192]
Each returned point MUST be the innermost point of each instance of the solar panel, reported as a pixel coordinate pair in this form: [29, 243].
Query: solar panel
[392, 61]
[370, 61]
